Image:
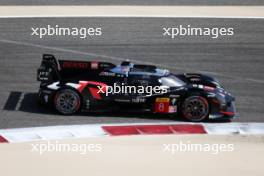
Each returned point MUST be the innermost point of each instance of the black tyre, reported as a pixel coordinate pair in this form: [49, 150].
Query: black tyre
[195, 108]
[67, 101]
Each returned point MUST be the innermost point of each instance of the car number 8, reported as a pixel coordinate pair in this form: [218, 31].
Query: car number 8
[161, 107]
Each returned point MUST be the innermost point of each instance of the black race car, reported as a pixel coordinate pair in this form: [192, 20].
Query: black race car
[72, 86]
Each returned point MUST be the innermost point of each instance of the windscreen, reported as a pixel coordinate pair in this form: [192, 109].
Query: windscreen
[172, 81]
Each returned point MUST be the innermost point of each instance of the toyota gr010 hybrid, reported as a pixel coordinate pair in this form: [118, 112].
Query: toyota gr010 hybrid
[72, 86]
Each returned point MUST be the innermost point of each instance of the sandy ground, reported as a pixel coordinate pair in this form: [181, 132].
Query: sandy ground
[148, 11]
[138, 155]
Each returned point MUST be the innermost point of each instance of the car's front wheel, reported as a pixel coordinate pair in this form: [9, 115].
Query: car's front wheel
[195, 108]
[67, 101]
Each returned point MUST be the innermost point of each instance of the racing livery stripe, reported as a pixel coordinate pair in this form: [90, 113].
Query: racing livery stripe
[83, 84]
[95, 93]
[227, 113]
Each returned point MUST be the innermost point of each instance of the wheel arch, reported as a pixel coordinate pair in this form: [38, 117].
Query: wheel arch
[194, 93]
[71, 88]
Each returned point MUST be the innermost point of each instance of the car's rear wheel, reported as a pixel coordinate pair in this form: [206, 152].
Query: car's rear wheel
[195, 108]
[67, 101]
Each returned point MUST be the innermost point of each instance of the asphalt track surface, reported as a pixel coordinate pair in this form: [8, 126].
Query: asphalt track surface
[132, 2]
[237, 61]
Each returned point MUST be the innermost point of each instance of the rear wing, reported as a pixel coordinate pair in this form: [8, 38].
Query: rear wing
[52, 70]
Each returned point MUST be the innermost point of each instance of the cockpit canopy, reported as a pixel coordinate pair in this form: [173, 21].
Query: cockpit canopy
[128, 68]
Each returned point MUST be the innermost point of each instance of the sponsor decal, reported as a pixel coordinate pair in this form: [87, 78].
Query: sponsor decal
[138, 100]
[107, 74]
[172, 109]
[195, 79]
[80, 65]
[122, 100]
[94, 65]
[162, 105]
[162, 100]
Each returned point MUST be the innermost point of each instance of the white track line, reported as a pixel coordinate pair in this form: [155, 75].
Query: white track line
[133, 11]
[132, 16]
[171, 66]
[62, 49]
[18, 106]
